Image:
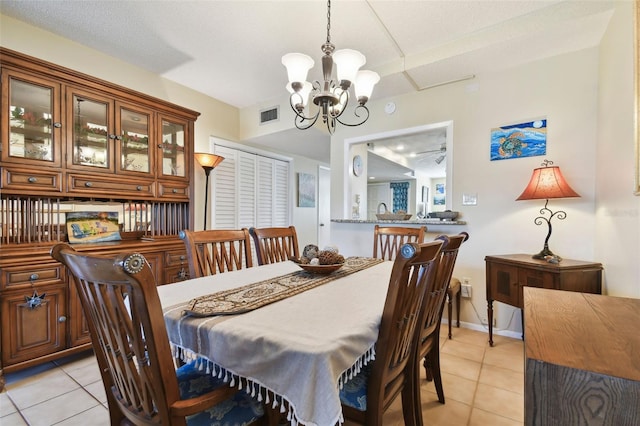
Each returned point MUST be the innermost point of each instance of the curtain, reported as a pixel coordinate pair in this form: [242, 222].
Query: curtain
[400, 195]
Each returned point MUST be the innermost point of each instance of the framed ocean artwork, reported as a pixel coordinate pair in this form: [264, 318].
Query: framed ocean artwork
[528, 139]
[92, 227]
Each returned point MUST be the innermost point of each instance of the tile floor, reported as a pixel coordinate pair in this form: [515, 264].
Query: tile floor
[482, 385]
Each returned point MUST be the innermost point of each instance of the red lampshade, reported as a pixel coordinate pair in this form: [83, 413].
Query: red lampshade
[545, 183]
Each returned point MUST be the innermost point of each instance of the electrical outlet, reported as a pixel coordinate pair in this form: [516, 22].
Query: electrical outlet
[486, 322]
[465, 291]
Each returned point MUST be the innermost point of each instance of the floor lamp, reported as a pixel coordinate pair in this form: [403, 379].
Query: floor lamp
[547, 182]
[208, 163]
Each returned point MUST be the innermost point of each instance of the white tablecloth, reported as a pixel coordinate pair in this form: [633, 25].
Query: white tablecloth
[301, 348]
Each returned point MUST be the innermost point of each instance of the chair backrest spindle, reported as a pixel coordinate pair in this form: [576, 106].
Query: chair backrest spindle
[217, 250]
[387, 240]
[275, 244]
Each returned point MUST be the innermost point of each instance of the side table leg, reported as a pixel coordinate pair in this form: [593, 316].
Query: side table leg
[490, 320]
[1, 380]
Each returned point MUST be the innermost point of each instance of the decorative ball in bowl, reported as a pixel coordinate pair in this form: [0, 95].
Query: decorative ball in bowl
[316, 261]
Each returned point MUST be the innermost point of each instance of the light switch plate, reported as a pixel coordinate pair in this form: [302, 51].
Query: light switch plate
[469, 199]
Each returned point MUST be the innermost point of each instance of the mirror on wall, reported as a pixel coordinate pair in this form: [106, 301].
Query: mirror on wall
[419, 156]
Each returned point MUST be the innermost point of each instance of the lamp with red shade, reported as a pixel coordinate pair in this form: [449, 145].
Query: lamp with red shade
[547, 182]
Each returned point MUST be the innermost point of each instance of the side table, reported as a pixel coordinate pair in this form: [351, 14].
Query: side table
[508, 274]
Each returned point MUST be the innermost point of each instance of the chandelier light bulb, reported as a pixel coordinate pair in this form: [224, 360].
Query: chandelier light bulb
[364, 83]
[348, 62]
[302, 94]
[298, 66]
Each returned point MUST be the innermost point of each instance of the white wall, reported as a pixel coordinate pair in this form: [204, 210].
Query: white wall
[617, 208]
[564, 89]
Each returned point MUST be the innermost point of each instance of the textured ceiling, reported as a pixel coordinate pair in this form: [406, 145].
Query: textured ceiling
[231, 50]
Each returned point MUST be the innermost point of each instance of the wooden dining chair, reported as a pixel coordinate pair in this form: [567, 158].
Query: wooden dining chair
[428, 349]
[217, 250]
[275, 244]
[453, 294]
[120, 301]
[387, 240]
[370, 393]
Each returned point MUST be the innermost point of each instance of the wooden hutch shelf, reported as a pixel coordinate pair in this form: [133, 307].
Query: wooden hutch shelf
[70, 142]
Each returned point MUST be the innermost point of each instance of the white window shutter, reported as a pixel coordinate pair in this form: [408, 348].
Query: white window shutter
[246, 194]
[225, 189]
[281, 186]
[265, 193]
[250, 190]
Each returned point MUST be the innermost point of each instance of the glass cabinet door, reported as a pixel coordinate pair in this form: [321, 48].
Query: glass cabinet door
[133, 149]
[89, 142]
[33, 110]
[174, 161]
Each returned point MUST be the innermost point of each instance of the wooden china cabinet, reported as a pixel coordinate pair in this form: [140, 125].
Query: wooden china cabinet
[71, 143]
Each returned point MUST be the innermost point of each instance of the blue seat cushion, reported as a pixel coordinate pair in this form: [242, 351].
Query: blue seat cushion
[236, 411]
[354, 392]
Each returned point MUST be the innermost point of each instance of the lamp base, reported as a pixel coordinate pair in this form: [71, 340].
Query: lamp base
[546, 254]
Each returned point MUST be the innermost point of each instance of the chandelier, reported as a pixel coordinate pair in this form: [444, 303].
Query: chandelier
[331, 95]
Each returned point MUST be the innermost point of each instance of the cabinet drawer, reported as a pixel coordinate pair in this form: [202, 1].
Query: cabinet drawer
[176, 266]
[109, 186]
[28, 180]
[15, 277]
[175, 258]
[173, 190]
[176, 274]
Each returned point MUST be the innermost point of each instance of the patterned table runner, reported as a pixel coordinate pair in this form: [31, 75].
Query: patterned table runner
[256, 295]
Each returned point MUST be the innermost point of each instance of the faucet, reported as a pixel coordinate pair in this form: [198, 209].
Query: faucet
[385, 208]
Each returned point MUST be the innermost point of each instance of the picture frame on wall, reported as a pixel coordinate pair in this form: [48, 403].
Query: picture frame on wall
[526, 139]
[306, 190]
[92, 227]
[439, 196]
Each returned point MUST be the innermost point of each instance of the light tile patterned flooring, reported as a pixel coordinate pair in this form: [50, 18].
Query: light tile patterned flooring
[483, 386]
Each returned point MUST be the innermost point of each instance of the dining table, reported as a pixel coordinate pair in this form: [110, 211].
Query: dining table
[294, 351]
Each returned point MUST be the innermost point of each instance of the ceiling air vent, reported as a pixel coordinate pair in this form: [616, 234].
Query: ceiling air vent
[269, 115]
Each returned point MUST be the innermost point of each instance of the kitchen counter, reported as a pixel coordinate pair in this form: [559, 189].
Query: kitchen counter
[354, 237]
[404, 222]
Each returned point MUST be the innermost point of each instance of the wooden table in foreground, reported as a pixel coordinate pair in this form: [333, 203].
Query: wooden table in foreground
[508, 274]
[582, 364]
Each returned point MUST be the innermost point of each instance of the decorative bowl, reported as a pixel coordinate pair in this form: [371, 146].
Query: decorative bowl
[393, 216]
[445, 215]
[320, 269]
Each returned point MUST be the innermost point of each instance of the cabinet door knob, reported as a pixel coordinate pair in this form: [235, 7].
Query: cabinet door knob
[175, 191]
[113, 136]
[57, 125]
[159, 145]
[62, 318]
[88, 184]
[34, 277]
[139, 188]
[32, 179]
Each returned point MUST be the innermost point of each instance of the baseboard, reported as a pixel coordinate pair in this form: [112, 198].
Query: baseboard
[485, 329]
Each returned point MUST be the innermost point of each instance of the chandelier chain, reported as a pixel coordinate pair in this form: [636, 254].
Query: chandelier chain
[329, 21]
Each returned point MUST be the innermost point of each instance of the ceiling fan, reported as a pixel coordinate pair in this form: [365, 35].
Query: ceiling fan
[442, 151]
